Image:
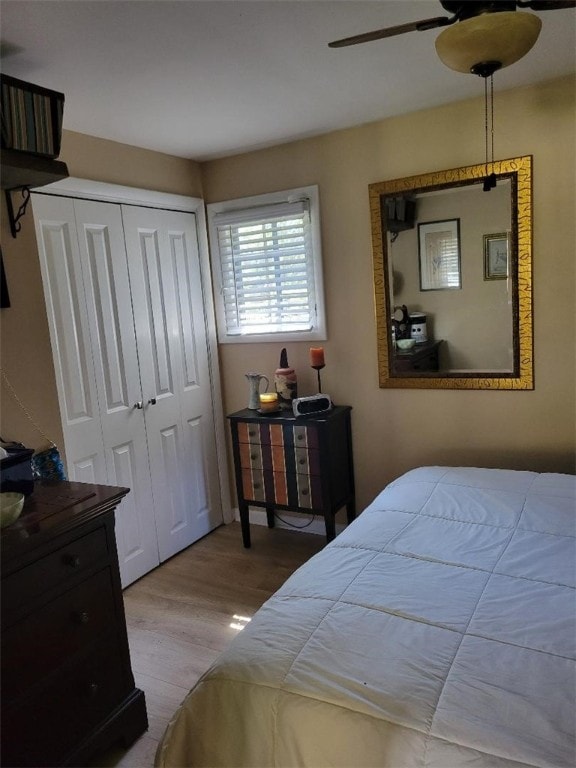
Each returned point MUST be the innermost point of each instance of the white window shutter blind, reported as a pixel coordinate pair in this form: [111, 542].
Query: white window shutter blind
[267, 270]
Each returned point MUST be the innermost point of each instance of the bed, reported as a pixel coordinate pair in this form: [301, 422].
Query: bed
[437, 630]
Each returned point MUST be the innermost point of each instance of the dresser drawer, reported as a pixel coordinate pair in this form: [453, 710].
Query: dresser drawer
[66, 626]
[61, 567]
[41, 731]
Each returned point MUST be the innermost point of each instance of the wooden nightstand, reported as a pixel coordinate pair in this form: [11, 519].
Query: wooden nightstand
[301, 464]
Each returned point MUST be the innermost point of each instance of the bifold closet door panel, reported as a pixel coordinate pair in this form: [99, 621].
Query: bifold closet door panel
[58, 248]
[113, 345]
[168, 306]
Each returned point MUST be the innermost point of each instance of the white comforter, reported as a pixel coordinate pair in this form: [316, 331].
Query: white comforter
[437, 630]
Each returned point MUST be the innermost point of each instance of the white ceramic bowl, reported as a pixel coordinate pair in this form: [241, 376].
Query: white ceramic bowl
[11, 504]
[405, 343]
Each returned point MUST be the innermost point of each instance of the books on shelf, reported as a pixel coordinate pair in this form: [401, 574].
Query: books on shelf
[31, 117]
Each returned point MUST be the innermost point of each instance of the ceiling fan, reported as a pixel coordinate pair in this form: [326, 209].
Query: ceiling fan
[486, 36]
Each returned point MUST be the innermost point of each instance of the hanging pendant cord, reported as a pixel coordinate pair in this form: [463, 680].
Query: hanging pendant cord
[492, 115]
[486, 125]
[489, 178]
[12, 391]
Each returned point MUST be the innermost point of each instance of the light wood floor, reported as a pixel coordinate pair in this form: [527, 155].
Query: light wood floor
[179, 617]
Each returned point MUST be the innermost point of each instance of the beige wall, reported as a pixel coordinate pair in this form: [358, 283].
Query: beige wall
[26, 355]
[474, 321]
[395, 430]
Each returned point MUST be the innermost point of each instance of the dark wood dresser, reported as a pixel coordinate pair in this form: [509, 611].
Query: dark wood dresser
[422, 357]
[67, 684]
[301, 464]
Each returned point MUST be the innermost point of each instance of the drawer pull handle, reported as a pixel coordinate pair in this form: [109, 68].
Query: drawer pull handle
[304, 491]
[301, 461]
[253, 456]
[251, 433]
[300, 437]
[81, 617]
[72, 560]
[256, 486]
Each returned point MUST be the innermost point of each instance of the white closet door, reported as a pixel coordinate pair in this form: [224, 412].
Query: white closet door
[113, 342]
[167, 301]
[70, 338]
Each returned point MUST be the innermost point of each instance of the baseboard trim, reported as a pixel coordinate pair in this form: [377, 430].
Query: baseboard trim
[292, 522]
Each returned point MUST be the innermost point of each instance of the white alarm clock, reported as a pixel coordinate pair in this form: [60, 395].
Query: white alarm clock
[309, 406]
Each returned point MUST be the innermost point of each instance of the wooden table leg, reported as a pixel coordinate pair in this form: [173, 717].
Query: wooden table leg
[330, 526]
[270, 517]
[245, 523]
[350, 511]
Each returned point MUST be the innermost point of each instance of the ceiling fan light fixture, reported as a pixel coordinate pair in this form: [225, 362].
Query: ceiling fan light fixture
[485, 43]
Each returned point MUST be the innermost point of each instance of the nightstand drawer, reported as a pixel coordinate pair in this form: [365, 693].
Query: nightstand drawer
[305, 436]
[65, 565]
[307, 461]
[302, 435]
[249, 433]
[282, 488]
[66, 626]
[251, 455]
[276, 458]
[260, 434]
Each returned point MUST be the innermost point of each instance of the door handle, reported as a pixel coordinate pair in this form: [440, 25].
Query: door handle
[139, 405]
[152, 401]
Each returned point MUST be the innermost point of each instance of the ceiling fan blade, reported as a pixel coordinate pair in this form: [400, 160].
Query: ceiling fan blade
[379, 34]
[546, 5]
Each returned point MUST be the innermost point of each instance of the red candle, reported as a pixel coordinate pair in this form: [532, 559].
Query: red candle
[317, 357]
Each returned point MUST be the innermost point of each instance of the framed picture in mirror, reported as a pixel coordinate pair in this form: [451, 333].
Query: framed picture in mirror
[439, 249]
[496, 256]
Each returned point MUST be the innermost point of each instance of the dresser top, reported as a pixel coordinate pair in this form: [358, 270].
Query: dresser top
[54, 508]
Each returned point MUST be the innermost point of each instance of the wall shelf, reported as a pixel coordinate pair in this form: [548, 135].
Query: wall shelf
[20, 169]
[23, 171]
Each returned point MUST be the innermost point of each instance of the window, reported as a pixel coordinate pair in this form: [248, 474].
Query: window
[266, 259]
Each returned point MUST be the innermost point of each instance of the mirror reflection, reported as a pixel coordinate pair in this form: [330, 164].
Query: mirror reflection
[446, 285]
[452, 270]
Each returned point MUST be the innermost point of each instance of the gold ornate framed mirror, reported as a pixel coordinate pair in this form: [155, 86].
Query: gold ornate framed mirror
[453, 278]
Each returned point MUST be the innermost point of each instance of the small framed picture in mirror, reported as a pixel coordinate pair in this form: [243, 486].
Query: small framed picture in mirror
[496, 256]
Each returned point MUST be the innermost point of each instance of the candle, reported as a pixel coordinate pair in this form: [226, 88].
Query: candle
[268, 402]
[317, 357]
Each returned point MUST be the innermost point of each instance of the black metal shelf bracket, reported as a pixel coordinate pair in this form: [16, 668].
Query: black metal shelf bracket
[14, 218]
